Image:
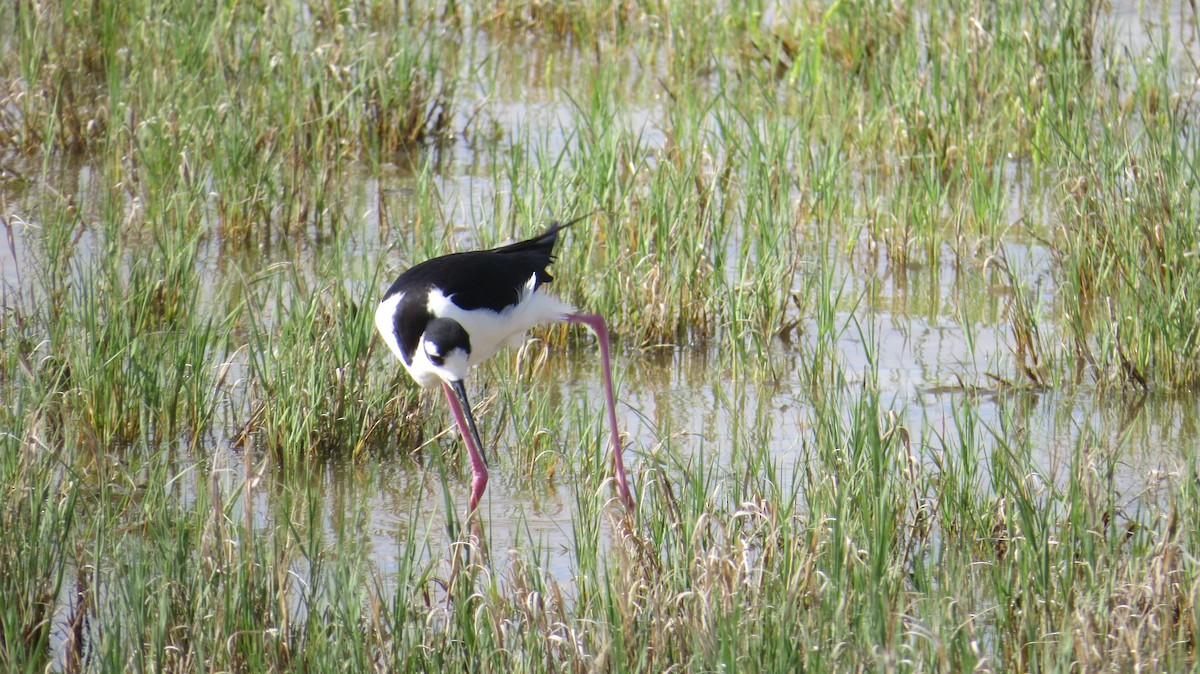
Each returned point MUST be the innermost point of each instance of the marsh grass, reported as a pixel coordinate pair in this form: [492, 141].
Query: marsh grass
[312, 360]
[211, 198]
[261, 123]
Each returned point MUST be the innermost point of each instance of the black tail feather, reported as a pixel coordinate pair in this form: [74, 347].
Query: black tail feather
[544, 242]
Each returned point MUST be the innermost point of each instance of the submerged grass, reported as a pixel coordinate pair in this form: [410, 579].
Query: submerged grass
[202, 204]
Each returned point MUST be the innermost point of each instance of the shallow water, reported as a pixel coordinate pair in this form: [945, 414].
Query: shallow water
[677, 409]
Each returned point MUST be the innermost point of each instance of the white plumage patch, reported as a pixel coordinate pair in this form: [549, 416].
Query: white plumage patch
[491, 331]
[385, 323]
[424, 371]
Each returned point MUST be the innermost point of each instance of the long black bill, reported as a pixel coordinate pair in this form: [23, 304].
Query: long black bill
[461, 391]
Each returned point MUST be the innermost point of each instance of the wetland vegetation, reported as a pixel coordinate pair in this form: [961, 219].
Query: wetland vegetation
[905, 299]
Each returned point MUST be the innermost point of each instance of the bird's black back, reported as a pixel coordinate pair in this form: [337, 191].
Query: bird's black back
[479, 279]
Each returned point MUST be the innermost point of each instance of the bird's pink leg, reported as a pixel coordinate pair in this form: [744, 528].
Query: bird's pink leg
[596, 323]
[478, 467]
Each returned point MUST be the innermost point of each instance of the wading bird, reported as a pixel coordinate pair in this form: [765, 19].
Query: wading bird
[446, 315]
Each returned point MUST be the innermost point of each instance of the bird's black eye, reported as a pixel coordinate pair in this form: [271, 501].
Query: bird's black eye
[434, 354]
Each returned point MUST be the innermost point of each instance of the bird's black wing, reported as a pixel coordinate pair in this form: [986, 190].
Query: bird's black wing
[491, 279]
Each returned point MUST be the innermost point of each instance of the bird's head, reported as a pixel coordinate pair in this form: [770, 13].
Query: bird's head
[447, 347]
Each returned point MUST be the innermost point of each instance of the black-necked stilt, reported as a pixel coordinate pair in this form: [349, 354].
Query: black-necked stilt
[448, 314]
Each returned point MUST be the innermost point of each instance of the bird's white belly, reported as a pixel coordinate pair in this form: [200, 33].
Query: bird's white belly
[490, 330]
